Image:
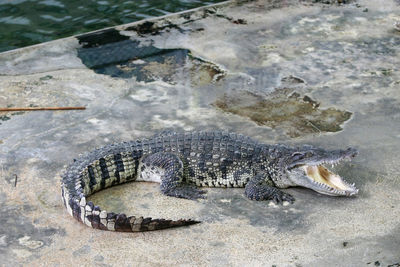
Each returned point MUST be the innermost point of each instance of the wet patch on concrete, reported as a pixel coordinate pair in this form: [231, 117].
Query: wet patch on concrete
[127, 59]
[99, 38]
[96, 57]
[298, 115]
[171, 66]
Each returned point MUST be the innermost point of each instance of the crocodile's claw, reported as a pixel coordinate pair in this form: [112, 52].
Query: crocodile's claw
[279, 197]
[185, 191]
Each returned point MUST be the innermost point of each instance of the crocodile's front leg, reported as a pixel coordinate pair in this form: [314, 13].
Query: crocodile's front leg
[170, 170]
[261, 187]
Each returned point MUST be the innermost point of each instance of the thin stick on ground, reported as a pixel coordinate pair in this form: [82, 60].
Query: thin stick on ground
[41, 108]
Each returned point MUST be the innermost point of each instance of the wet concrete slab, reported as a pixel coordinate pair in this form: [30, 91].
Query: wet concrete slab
[315, 73]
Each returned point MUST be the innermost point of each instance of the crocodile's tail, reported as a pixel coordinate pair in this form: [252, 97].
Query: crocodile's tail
[102, 168]
[93, 216]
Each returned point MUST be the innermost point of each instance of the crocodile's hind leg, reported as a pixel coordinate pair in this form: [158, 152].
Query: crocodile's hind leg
[260, 187]
[169, 169]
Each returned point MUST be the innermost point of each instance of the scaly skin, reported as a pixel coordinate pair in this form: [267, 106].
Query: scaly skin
[181, 162]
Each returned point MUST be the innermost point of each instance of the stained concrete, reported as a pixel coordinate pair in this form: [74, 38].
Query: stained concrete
[284, 108]
[169, 73]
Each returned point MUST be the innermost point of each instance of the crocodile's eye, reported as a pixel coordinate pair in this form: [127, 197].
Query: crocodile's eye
[302, 155]
[297, 155]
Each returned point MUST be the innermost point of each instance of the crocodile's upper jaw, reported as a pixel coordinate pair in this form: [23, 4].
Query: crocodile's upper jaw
[313, 174]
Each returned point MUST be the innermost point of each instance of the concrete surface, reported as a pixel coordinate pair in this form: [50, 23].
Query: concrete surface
[279, 71]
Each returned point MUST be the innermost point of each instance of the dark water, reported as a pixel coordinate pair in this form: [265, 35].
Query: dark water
[27, 22]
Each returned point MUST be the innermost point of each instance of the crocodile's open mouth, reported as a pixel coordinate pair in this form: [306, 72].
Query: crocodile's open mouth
[330, 183]
[309, 169]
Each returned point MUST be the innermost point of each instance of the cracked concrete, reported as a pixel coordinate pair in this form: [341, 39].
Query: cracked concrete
[343, 57]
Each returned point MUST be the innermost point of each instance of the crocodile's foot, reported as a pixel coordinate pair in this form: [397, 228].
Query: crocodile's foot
[264, 192]
[185, 191]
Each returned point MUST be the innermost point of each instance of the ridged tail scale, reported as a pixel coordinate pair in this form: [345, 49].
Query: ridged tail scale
[102, 168]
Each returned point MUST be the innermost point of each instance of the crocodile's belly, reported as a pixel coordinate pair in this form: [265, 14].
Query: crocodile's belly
[149, 173]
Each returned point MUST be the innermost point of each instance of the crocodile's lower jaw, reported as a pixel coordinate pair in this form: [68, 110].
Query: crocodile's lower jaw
[328, 182]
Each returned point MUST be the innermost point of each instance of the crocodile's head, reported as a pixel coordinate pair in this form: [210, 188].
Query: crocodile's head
[308, 167]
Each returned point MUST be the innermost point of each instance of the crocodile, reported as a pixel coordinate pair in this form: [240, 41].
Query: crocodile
[183, 162]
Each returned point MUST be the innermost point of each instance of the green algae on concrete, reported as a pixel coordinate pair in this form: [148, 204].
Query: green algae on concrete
[286, 109]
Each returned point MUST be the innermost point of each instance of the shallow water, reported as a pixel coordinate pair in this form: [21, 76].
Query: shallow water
[28, 22]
